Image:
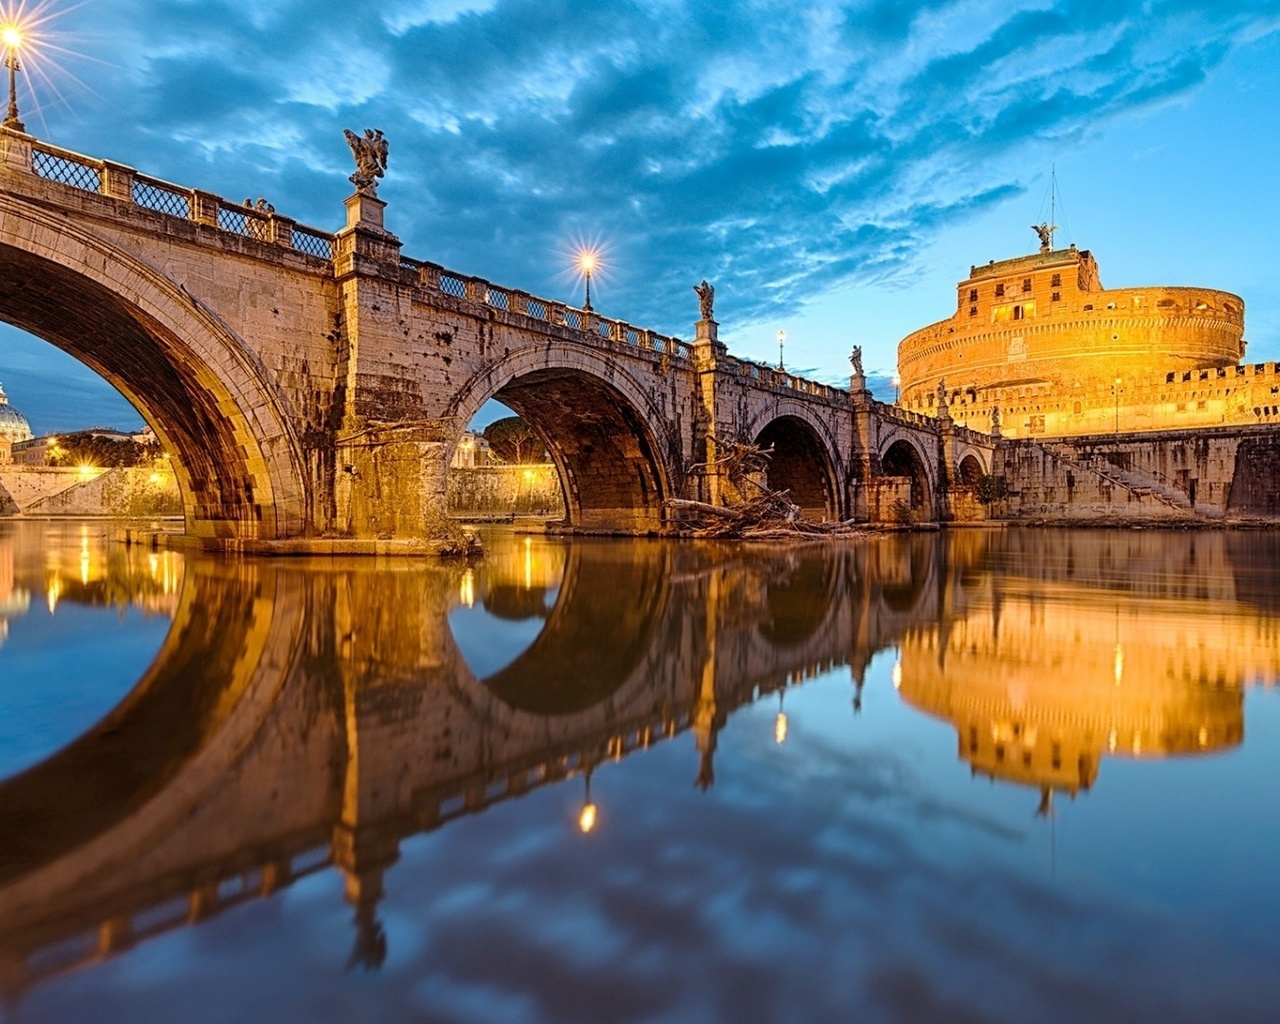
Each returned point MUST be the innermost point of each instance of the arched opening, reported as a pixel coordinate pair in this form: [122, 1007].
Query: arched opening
[501, 471]
[234, 457]
[800, 465]
[970, 470]
[605, 460]
[902, 459]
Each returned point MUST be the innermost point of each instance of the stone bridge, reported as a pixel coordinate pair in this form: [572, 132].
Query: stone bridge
[312, 386]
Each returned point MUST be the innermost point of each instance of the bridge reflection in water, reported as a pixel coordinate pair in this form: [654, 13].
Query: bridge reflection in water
[301, 717]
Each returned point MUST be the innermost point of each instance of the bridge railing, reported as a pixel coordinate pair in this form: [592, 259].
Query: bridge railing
[106, 178]
[768, 376]
[434, 277]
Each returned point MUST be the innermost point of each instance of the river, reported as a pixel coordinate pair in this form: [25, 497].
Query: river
[982, 775]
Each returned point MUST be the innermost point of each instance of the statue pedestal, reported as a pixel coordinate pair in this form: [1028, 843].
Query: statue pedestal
[707, 330]
[365, 211]
[857, 383]
[364, 240]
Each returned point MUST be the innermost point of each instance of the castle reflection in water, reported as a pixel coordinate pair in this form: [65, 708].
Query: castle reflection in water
[302, 716]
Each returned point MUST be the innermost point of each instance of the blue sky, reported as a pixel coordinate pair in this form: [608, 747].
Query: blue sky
[832, 167]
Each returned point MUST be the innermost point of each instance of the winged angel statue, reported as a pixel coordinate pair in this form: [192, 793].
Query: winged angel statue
[371, 159]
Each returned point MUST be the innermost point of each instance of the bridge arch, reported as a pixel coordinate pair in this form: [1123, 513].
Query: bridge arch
[971, 463]
[195, 381]
[802, 461]
[902, 456]
[594, 419]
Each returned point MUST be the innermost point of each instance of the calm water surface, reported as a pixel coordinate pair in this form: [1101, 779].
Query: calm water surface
[984, 776]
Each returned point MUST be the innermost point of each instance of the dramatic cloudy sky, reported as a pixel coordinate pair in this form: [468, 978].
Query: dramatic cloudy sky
[833, 167]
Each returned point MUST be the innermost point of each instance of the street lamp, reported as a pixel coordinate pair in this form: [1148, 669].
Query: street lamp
[782, 337]
[897, 388]
[587, 259]
[11, 39]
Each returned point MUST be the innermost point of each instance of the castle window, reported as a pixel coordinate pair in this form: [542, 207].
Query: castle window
[1088, 305]
[999, 291]
[1078, 409]
[1017, 313]
[973, 294]
[1056, 281]
[1036, 425]
[1026, 284]
[973, 310]
[1056, 297]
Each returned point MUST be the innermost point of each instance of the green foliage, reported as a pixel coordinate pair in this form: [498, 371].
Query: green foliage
[513, 440]
[991, 489]
[86, 449]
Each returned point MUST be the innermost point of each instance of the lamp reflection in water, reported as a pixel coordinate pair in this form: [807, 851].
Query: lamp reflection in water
[587, 816]
[780, 723]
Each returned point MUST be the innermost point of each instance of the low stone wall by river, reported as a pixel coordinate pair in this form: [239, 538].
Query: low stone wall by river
[125, 493]
[495, 492]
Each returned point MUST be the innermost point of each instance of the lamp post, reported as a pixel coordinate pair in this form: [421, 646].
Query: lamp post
[782, 337]
[11, 38]
[897, 388]
[587, 263]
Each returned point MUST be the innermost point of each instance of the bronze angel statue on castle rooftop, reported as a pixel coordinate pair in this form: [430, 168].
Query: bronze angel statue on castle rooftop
[371, 159]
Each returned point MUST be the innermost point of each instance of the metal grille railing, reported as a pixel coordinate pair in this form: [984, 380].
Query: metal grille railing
[162, 199]
[66, 171]
[313, 243]
[454, 286]
[497, 299]
[573, 319]
[605, 330]
[537, 309]
[631, 336]
[233, 220]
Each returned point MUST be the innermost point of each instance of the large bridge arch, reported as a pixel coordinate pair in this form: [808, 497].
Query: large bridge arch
[599, 425]
[196, 382]
[804, 457]
[902, 455]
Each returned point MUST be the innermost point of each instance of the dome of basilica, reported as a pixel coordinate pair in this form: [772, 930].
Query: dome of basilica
[13, 425]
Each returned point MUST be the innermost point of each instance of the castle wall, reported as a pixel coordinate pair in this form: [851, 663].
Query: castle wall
[1168, 398]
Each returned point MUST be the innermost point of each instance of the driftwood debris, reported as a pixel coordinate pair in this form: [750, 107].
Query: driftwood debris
[752, 511]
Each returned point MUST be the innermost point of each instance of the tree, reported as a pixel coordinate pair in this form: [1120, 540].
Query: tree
[513, 440]
[85, 448]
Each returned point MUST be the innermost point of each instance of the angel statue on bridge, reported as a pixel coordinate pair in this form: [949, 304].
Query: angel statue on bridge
[371, 159]
[706, 297]
[855, 357]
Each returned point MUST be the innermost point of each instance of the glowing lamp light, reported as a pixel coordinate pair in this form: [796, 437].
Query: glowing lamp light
[85, 470]
[587, 819]
[897, 675]
[11, 36]
[587, 261]
[780, 728]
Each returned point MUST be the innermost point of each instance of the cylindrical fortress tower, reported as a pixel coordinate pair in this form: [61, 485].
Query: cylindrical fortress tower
[1044, 322]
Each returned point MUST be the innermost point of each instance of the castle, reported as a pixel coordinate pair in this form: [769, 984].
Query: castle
[1038, 338]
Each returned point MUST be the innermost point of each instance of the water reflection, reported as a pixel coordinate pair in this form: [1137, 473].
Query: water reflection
[301, 717]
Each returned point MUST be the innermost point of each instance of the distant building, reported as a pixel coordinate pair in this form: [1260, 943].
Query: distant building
[472, 451]
[14, 427]
[34, 451]
[1039, 338]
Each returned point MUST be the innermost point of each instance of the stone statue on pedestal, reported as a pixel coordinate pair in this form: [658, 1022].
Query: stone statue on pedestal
[371, 159]
[706, 299]
[1045, 231]
[855, 357]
